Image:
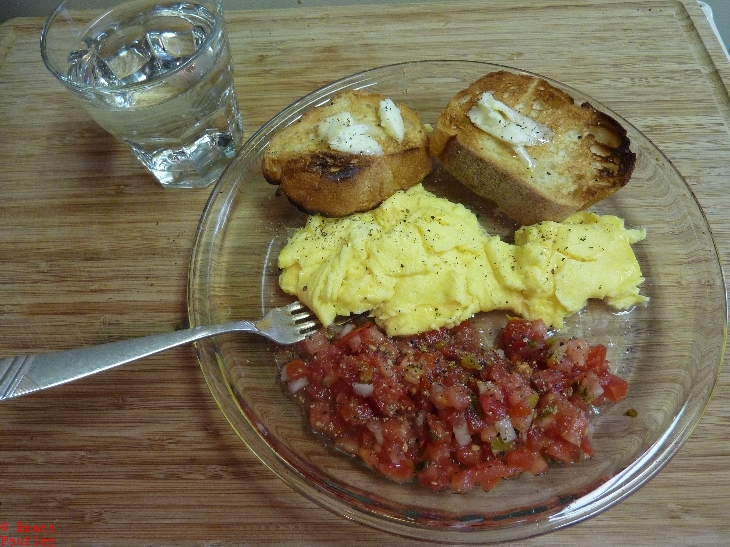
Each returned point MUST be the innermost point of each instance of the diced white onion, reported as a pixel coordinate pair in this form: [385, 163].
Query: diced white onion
[461, 433]
[595, 391]
[437, 393]
[376, 430]
[394, 456]
[505, 429]
[491, 388]
[296, 385]
[346, 328]
[363, 390]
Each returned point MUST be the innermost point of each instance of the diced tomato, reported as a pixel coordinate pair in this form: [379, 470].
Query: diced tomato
[434, 477]
[437, 452]
[390, 395]
[488, 474]
[373, 336]
[314, 343]
[494, 409]
[355, 411]
[550, 381]
[474, 420]
[573, 426]
[369, 456]
[565, 356]
[526, 460]
[522, 423]
[348, 443]
[590, 386]
[465, 337]
[463, 481]
[398, 431]
[596, 358]
[521, 404]
[470, 455]
[352, 338]
[318, 391]
[522, 339]
[577, 352]
[399, 472]
[570, 422]
[457, 396]
[537, 440]
[441, 409]
[499, 374]
[615, 389]
[587, 447]
[434, 338]
[296, 369]
[349, 368]
[438, 432]
[320, 415]
[562, 451]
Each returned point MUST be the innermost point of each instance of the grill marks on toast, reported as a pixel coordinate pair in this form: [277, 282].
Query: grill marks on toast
[319, 180]
[335, 167]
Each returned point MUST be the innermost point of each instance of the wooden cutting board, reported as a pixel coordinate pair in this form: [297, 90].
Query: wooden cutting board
[92, 250]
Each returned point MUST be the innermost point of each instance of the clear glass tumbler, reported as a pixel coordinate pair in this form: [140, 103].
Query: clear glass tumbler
[157, 75]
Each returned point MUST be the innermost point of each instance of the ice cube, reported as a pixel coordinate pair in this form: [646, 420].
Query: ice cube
[86, 67]
[129, 64]
[200, 33]
[82, 62]
[80, 69]
[102, 73]
[174, 48]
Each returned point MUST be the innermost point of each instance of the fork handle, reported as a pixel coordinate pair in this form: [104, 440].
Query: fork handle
[25, 374]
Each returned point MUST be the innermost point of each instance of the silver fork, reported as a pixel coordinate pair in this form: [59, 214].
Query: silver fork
[28, 373]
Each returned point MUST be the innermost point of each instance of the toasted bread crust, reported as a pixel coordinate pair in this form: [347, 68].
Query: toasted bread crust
[332, 183]
[587, 159]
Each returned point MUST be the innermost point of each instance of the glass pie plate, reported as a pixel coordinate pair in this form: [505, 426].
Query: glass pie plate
[670, 350]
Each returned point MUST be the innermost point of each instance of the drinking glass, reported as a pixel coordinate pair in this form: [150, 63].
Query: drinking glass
[156, 74]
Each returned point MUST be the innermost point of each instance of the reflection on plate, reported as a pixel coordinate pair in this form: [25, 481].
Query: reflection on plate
[670, 351]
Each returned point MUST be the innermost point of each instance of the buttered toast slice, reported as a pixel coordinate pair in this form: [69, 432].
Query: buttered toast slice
[526, 145]
[348, 155]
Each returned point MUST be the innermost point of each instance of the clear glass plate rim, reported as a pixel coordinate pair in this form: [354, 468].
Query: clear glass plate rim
[571, 513]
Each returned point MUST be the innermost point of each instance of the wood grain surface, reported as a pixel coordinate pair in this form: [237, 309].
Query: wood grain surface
[92, 250]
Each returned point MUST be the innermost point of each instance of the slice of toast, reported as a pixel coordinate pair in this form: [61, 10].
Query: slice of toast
[334, 182]
[581, 157]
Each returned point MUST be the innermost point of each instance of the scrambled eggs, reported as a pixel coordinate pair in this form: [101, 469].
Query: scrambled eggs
[419, 262]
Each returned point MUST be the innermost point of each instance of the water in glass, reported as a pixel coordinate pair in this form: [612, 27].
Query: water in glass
[180, 117]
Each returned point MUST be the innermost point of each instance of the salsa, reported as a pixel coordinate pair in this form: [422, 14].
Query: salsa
[444, 409]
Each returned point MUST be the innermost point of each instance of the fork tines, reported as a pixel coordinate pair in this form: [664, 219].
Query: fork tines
[304, 319]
